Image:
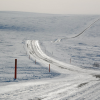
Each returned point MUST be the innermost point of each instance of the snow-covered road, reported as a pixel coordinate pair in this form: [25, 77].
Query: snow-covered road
[73, 83]
[34, 50]
[58, 40]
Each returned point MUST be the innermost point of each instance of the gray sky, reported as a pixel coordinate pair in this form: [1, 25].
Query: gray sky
[52, 6]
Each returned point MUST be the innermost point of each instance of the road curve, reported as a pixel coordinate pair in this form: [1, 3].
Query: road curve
[58, 40]
[35, 51]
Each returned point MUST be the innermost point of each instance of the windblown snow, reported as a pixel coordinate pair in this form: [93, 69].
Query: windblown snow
[68, 44]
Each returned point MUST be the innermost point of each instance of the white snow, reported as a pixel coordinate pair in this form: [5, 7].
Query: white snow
[29, 37]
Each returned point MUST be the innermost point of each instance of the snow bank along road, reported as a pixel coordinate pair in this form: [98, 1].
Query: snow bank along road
[73, 83]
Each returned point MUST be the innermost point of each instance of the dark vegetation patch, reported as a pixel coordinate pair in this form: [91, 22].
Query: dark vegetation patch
[35, 99]
[82, 84]
[97, 76]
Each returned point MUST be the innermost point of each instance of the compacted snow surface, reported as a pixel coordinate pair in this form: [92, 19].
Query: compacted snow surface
[69, 44]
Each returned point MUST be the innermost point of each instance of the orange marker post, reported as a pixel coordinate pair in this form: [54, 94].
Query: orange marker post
[15, 68]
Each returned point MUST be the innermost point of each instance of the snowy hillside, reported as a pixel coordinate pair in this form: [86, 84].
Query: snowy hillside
[72, 75]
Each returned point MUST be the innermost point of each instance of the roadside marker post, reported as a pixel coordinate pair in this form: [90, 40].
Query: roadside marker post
[15, 68]
[29, 56]
[70, 60]
[49, 67]
[35, 61]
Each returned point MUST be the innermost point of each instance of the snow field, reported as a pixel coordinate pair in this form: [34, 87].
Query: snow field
[75, 81]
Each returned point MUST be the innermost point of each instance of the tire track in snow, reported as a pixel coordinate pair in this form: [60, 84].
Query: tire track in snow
[43, 91]
[38, 54]
[86, 92]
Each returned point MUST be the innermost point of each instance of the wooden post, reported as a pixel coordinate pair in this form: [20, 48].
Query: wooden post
[49, 67]
[70, 60]
[35, 61]
[29, 56]
[15, 68]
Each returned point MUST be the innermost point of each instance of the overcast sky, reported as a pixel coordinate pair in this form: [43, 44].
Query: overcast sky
[52, 6]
